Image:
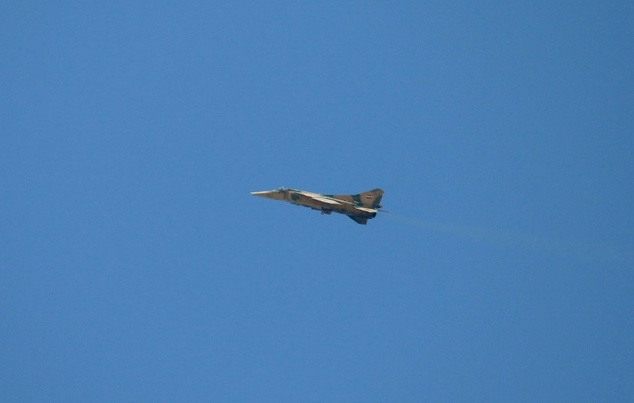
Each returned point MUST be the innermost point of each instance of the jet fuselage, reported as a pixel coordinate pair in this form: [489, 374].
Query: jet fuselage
[359, 207]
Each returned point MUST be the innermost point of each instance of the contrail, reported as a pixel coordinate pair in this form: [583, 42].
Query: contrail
[565, 248]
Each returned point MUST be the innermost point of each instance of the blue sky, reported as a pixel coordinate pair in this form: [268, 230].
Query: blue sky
[135, 266]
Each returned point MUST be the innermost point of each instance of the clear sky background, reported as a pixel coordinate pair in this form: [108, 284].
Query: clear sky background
[136, 266]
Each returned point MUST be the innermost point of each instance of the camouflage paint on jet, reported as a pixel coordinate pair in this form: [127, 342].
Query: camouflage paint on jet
[360, 207]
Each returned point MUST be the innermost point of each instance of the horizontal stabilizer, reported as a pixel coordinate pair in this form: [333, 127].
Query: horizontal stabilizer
[367, 210]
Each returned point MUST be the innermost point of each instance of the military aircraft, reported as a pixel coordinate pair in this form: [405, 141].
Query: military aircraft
[360, 207]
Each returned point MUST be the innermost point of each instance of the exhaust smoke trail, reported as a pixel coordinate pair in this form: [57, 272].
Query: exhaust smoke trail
[510, 239]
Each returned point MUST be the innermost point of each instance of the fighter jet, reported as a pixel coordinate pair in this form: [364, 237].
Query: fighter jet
[360, 207]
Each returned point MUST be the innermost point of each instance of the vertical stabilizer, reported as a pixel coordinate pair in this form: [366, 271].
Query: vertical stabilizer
[371, 198]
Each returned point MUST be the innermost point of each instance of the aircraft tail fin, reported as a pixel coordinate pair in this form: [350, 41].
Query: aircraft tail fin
[371, 198]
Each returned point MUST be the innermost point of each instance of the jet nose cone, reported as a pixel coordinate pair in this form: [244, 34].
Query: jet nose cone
[269, 194]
